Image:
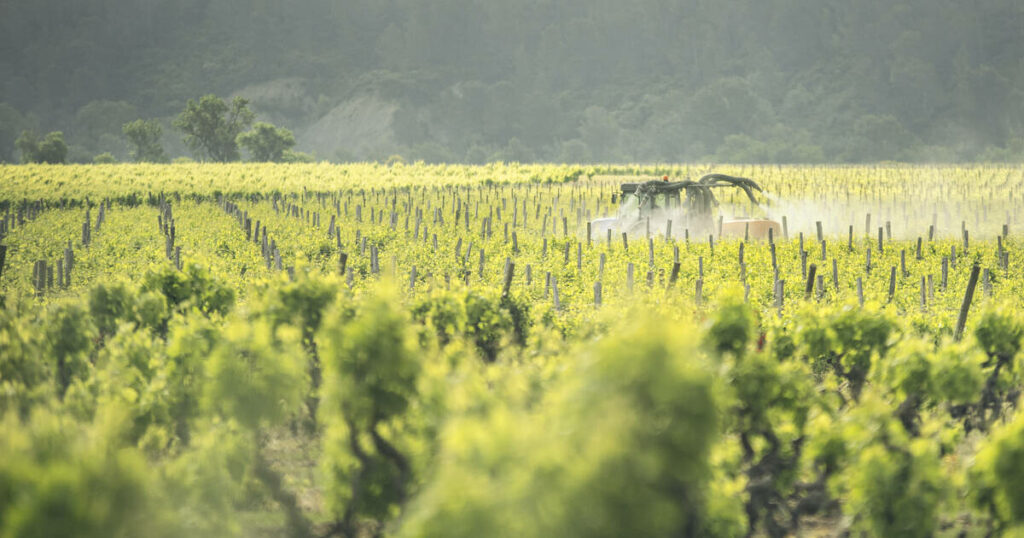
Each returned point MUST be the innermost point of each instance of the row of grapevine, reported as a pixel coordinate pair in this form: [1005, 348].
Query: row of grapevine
[446, 351]
[464, 413]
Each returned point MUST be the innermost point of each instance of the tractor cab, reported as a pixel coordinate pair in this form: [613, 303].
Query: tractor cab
[643, 201]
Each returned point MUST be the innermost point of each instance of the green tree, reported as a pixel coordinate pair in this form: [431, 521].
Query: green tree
[11, 123]
[50, 150]
[144, 138]
[96, 127]
[877, 137]
[211, 127]
[290, 156]
[267, 143]
[104, 158]
[28, 145]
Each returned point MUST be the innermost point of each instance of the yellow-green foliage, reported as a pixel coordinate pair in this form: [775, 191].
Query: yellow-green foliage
[370, 381]
[998, 473]
[59, 478]
[255, 374]
[412, 396]
[611, 451]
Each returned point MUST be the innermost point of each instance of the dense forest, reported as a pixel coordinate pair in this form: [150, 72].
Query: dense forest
[532, 80]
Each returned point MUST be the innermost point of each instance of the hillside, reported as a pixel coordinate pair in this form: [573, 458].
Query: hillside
[534, 80]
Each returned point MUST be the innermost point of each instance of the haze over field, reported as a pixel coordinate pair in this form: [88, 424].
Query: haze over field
[532, 80]
[511, 268]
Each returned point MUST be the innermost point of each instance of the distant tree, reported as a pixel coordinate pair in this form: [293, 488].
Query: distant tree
[514, 151]
[101, 117]
[11, 123]
[28, 145]
[877, 137]
[574, 151]
[267, 143]
[50, 150]
[291, 156]
[96, 128]
[104, 158]
[144, 138]
[727, 106]
[53, 149]
[211, 127]
[601, 133]
[741, 148]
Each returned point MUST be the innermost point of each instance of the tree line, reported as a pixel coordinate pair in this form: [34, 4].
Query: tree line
[535, 80]
[213, 130]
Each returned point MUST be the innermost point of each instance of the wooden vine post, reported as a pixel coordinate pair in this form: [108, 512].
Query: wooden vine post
[961, 321]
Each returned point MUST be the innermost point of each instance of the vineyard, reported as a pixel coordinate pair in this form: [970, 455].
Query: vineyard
[416, 350]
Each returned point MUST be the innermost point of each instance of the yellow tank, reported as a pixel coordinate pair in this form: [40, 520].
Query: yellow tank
[751, 228]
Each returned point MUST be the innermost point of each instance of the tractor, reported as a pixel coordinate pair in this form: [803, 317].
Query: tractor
[657, 203]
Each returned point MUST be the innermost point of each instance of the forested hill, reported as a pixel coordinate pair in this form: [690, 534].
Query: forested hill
[549, 80]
